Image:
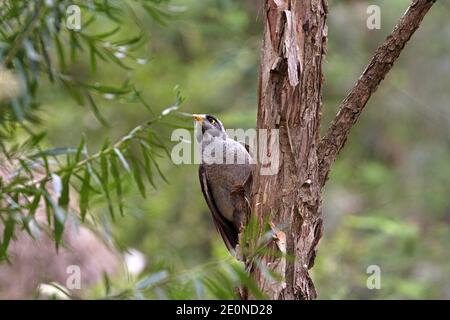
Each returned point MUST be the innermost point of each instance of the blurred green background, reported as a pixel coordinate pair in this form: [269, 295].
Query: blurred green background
[387, 201]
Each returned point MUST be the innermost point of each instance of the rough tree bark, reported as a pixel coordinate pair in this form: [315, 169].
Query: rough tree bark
[290, 99]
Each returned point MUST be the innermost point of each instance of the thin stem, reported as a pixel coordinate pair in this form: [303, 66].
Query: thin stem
[76, 167]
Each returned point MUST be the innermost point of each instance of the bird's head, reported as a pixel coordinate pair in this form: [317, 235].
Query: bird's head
[210, 125]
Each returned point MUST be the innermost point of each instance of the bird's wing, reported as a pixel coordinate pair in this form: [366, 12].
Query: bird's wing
[226, 228]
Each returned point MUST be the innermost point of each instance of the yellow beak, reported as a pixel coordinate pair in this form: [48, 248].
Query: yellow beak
[199, 117]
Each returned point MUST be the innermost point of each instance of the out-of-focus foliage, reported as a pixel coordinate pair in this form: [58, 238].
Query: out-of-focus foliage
[37, 41]
[386, 202]
[48, 72]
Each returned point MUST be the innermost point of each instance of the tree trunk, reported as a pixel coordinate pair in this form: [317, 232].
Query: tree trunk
[290, 100]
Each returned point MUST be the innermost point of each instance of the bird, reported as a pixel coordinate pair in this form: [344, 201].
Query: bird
[225, 174]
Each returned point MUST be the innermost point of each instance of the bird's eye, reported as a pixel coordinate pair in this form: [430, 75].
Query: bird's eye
[212, 121]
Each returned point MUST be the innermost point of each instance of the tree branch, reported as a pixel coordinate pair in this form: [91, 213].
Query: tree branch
[378, 67]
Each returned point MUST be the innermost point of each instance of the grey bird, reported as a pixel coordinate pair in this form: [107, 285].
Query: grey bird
[225, 176]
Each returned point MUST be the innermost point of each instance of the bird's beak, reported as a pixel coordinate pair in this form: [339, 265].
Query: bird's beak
[199, 117]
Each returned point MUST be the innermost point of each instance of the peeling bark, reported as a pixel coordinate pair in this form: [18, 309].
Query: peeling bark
[290, 99]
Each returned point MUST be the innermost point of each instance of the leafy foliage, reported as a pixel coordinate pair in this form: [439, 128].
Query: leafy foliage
[35, 43]
[38, 50]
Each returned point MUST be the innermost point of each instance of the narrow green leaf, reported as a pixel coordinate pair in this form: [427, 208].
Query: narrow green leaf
[75, 46]
[117, 61]
[159, 143]
[156, 14]
[84, 195]
[106, 34]
[64, 198]
[147, 165]
[93, 174]
[31, 226]
[117, 181]
[34, 204]
[137, 176]
[131, 41]
[59, 219]
[24, 165]
[92, 58]
[158, 169]
[81, 148]
[33, 141]
[141, 100]
[107, 284]
[104, 165]
[95, 110]
[60, 52]
[46, 56]
[48, 209]
[8, 232]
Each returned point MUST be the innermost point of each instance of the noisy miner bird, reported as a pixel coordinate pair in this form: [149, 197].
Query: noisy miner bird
[225, 176]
